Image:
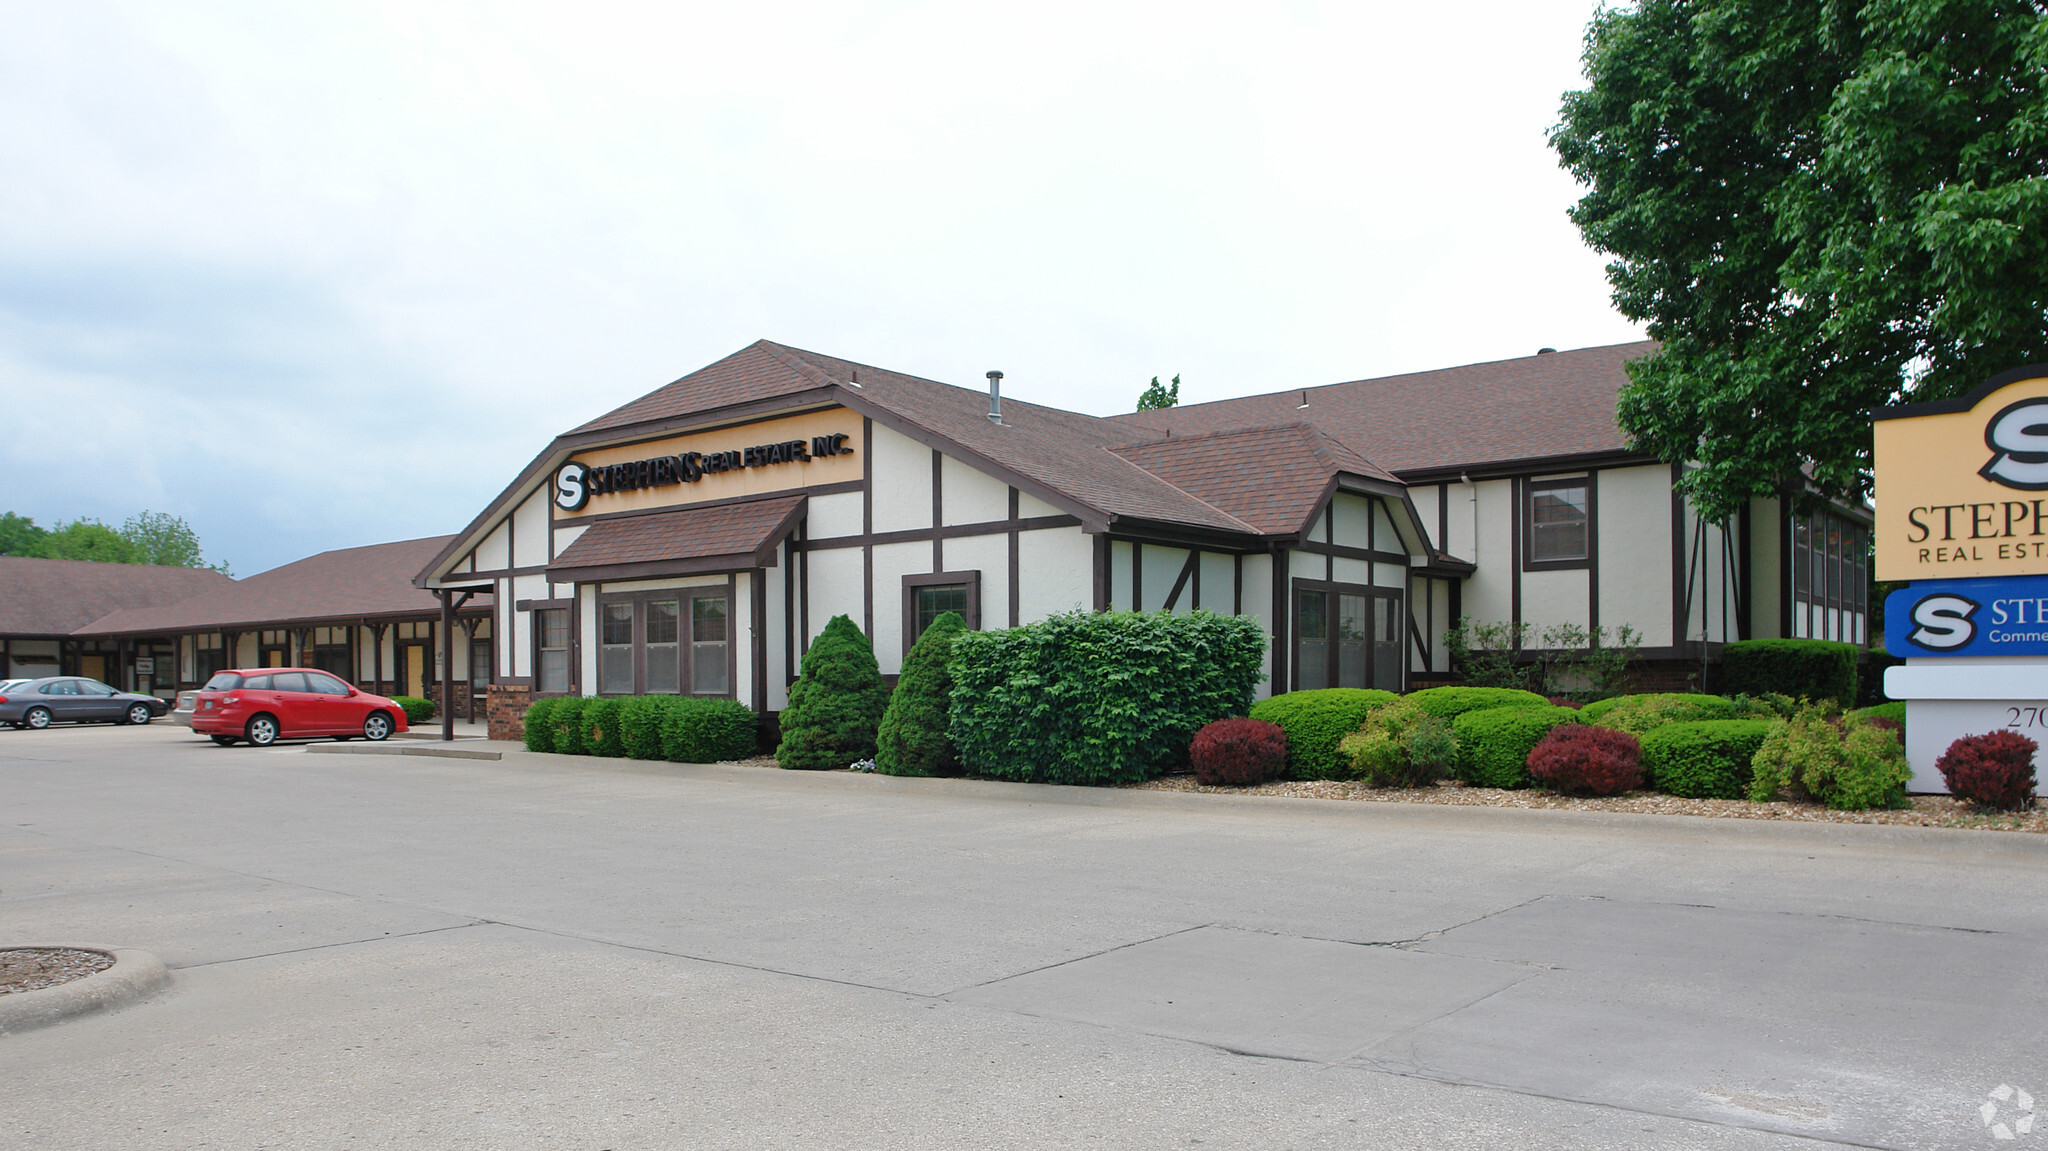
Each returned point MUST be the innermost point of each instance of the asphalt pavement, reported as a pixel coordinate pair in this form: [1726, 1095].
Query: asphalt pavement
[546, 951]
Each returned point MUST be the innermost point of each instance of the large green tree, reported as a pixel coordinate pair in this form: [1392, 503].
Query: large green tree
[88, 540]
[1158, 396]
[1818, 209]
[147, 538]
[19, 535]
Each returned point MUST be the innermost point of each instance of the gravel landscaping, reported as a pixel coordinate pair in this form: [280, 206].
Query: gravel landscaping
[34, 968]
[1927, 810]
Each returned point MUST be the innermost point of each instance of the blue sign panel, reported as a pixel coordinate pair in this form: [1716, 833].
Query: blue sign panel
[1996, 615]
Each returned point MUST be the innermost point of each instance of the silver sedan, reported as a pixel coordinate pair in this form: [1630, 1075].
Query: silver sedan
[38, 703]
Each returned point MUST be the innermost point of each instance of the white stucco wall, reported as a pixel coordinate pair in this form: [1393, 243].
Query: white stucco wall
[892, 563]
[989, 555]
[1258, 604]
[1056, 569]
[972, 497]
[902, 477]
[835, 587]
[838, 514]
[493, 554]
[1219, 583]
[530, 531]
[1633, 506]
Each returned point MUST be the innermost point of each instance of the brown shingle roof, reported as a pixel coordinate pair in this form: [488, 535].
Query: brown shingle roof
[57, 597]
[1535, 407]
[347, 583]
[1271, 478]
[755, 372]
[723, 536]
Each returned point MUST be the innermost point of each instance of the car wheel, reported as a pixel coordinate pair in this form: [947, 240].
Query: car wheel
[224, 740]
[139, 714]
[37, 718]
[262, 731]
[377, 727]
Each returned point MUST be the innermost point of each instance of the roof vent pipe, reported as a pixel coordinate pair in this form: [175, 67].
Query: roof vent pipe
[995, 397]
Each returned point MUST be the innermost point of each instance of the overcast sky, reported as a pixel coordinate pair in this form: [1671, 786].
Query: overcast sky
[315, 276]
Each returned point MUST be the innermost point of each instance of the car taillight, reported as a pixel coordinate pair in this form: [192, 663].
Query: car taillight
[3, 699]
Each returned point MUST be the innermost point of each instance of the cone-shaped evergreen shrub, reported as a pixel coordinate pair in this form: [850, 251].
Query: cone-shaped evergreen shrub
[601, 728]
[912, 739]
[1995, 769]
[707, 730]
[640, 725]
[1238, 753]
[837, 703]
[567, 721]
[539, 724]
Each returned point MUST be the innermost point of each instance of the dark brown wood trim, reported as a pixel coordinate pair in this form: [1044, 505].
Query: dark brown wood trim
[1784, 566]
[757, 622]
[789, 578]
[1514, 563]
[1236, 585]
[957, 531]
[1504, 469]
[1443, 518]
[502, 573]
[1593, 556]
[1016, 564]
[656, 569]
[1137, 576]
[1283, 627]
[1678, 564]
[542, 604]
[1101, 572]
[1180, 583]
[867, 527]
[803, 607]
[938, 510]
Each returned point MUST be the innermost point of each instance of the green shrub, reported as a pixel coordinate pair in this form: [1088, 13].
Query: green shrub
[1400, 745]
[836, 704]
[1895, 711]
[1315, 722]
[601, 728]
[1770, 705]
[707, 730]
[1638, 714]
[1448, 703]
[1708, 759]
[1814, 668]
[1494, 743]
[540, 728]
[640, 724]
[1099, 698]
[567, 721]
[912, 739]
[1848, 763]
[417, 710]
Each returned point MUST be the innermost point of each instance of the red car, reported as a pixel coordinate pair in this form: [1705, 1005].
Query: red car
[266, 704]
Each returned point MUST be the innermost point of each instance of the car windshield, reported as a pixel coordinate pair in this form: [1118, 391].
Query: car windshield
[223, 681]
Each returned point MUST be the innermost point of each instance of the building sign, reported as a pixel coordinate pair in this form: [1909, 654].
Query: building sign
[1968, 617]
[804, 450]
[1962, 485]
[576, 482]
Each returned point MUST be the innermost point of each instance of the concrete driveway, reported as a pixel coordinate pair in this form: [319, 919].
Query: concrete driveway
[579, 953]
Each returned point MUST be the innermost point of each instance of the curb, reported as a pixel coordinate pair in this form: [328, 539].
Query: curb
[437, 750]
[135, 975]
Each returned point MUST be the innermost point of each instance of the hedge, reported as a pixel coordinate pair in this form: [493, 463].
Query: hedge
[566, 720]
[640, 725]
[601, 728]
[1449, 703]
[1315, 722]
[706, 730]
[1494, 743]
[416, 710]
[836, 704]
[1814, 668]
[1896, 712]
[540, 726]
[1709, 759]
[912, 739]
[1637, 714]
[1098, 698]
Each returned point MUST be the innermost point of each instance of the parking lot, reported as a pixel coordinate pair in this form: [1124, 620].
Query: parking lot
[547, 951]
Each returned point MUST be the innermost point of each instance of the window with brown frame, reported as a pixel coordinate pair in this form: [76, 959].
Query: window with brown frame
[1346, 635]
[671, 641]
[551, 640]
[927, 597]
[1557, 518]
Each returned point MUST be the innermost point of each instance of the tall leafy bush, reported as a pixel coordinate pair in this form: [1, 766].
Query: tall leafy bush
[1098, 698]
[1315, 722]
[1814, 668]
[1708, 759]
[1847, 762]
[836, 704]
[912, 739]
[539, 725]
[1494, 743]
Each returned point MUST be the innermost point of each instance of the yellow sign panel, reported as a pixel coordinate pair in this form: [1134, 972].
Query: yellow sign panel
[1962, 485]
[799, 451]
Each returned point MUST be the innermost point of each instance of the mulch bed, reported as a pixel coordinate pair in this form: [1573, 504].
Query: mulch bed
[1927, 810]
[34, 968]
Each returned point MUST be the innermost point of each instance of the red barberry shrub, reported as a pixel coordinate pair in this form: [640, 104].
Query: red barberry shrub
[1238, 752]
[1886, 723]
[1995, 769]
[1564, 701]
[1578, 759]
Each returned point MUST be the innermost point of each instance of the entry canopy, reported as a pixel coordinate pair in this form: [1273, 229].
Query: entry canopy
[1962, 485]
[688, 539]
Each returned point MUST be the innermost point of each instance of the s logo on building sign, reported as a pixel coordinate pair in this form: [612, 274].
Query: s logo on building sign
[572, 487]
[1942, 622]
[2018, 439]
